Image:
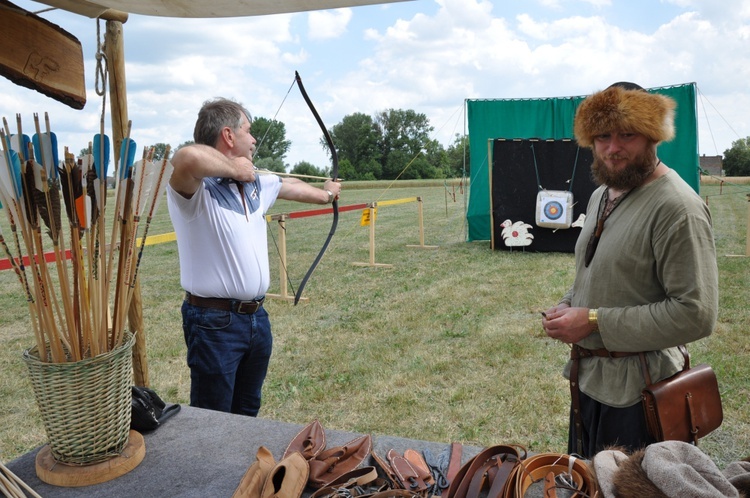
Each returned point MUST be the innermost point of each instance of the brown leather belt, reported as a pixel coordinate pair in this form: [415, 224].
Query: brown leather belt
[235, 305]
[579, 352]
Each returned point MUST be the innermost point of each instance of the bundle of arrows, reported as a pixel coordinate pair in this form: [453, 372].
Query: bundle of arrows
[79, 301]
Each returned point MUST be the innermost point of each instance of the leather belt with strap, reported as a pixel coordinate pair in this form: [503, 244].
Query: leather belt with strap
[579, 352]
[576, 353]
[235, 305]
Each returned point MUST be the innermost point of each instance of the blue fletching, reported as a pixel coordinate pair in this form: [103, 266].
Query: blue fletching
[126, 163]
[101, 149]
[15, 166]
[48, 144]
[21, 146]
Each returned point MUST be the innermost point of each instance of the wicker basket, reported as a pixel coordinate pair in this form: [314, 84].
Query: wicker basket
[85, 405]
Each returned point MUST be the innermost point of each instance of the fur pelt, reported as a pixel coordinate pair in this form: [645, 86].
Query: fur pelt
[620, 474]
[619, 109]
[631, 481]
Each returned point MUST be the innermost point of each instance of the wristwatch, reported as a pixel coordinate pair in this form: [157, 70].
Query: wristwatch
[330, 196]
[593, 318]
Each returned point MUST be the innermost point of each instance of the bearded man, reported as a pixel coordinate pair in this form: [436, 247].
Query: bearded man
[646, 275]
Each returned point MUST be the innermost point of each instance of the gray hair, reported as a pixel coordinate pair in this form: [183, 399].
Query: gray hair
[216, 114]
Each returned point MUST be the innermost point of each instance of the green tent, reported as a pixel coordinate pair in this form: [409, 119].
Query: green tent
[552, 118]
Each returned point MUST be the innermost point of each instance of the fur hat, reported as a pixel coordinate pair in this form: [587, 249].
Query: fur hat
[625, 107]
[666, 470]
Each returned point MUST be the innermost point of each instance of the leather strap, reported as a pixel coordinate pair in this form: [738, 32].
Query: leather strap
[454, 464]
[487, 465]
[575, 400]
[644, 364]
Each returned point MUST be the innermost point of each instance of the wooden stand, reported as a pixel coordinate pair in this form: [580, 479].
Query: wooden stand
[60, 474]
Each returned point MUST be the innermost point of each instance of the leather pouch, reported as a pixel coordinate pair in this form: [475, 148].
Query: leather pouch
[684, 407]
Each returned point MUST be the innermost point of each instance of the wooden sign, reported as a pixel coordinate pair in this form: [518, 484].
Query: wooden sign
[37, 54]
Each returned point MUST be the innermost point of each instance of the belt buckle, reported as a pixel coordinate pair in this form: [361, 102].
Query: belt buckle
[248, 307]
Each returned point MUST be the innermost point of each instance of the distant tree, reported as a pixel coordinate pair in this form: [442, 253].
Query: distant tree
[270, 164]
[305, 168]
[183, 144]
[271, 138]
[159, 150]
[356, 138]
[457, 156]
[404, 134]
[737, 159]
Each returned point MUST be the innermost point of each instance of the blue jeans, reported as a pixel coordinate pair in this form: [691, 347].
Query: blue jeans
[228, 355]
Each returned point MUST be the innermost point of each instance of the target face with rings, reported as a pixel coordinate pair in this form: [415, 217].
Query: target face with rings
[553, 210]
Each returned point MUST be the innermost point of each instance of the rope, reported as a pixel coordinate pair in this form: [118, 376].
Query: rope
[101, 69]
[536, 169]
[438, 468]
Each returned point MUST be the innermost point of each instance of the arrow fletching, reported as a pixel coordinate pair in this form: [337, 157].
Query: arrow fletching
[45, 152]
[101, 155]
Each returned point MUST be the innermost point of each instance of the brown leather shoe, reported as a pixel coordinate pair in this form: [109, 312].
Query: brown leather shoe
[310, 441]
[252, 482]
[288, 479]
[335, 462]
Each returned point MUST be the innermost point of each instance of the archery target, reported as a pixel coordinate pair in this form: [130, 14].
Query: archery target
[554, 209]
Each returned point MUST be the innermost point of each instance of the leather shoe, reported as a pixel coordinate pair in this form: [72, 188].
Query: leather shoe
[288, 479]
[252, 482]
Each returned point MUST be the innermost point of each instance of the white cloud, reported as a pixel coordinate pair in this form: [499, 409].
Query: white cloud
[328, 24]
[428, 56]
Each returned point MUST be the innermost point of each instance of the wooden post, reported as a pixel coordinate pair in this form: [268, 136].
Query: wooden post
[747, 235]
[283, 275]
[115, 50]
[372, 262]
[421, 227]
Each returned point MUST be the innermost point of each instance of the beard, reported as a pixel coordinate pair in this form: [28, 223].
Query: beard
[634, 174]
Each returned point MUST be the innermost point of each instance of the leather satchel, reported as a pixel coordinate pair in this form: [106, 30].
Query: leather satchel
[684, 407]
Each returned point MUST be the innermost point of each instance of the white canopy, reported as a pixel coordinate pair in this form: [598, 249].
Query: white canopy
[204, 8]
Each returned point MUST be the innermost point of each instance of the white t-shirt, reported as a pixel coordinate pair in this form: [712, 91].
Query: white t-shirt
[222, 244]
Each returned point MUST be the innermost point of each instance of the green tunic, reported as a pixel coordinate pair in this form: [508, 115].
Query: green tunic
[654, 280]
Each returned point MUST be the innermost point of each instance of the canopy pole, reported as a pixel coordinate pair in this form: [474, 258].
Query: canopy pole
[115, 50]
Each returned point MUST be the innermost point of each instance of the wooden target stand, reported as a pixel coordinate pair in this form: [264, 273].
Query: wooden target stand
[369, 213]
[56, 473]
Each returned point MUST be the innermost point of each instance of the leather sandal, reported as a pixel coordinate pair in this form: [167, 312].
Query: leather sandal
[251, 484]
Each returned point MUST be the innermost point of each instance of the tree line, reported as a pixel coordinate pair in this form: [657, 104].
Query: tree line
[392, 144]
[736, 161]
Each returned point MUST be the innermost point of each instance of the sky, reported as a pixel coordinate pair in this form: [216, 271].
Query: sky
[425, 55]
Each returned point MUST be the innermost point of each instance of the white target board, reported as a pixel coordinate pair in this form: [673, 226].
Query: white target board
[554, 208]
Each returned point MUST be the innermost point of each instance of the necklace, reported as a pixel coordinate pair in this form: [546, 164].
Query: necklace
[606, 207]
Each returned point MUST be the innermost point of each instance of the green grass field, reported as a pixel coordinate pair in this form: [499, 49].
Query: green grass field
[444, 345]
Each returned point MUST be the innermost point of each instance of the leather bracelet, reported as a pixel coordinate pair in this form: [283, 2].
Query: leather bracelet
[330, 196]
[594, 318]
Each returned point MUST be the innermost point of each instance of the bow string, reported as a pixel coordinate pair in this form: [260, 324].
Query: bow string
[334, 175]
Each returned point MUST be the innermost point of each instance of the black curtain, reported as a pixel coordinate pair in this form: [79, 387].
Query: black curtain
[516, 176]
